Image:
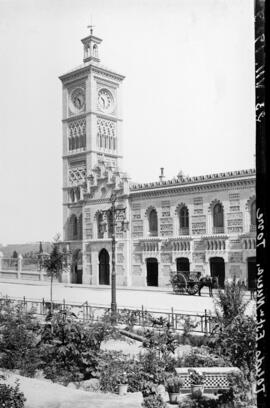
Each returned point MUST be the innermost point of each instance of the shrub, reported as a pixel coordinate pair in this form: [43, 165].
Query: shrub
[70, 349]
[151, 399]
[111, 368]
[146, 368]
[230, 302]
[201, 357]
[19, 332]
[239, 392]
[201, 402]
[11, 396]
[237, 343]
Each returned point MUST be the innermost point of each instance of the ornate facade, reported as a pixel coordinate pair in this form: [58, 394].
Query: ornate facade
[204, 223]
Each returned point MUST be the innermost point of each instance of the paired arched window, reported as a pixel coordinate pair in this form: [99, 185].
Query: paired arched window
[253, 214]
[183, 221]
[218, 218]
[153, 222]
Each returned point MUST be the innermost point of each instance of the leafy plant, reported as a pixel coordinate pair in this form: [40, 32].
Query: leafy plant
[70, 349]
[196, 378]
[201, 402]
[113, 368]
[230, 302]
[11, 396]
[173, 383]
[201, 357]
[153, 401]
[19, 332]
[151, 398]
[236, 342]
[239, 391]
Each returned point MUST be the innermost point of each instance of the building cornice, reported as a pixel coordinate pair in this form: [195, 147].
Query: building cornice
[84, 152]
[91, 112]
[154, 191]
[85, 69]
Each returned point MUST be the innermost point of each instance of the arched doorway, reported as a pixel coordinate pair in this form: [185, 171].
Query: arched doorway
[252, 272]
[152, 272]
[182, 264]
[217, 269]
[104, 267]
[77, 268]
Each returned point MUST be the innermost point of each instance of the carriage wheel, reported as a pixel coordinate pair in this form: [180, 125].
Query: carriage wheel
[182, 283]
[193, 287]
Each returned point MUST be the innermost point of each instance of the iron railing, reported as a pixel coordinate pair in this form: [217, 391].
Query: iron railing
[200, 322]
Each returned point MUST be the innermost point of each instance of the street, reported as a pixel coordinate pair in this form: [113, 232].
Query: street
[149, 299]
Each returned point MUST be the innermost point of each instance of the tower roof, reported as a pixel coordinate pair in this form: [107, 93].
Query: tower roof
[90, 46]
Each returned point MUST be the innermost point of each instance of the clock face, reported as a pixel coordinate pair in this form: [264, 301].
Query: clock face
[77, 100]
[105, 100]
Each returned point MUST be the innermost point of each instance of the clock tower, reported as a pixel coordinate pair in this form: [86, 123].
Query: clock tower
[92, 128]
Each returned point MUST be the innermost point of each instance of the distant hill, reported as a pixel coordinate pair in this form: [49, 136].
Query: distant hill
[24, 249]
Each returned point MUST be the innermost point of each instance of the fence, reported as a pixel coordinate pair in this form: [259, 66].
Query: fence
[21, 268]
[199, 323]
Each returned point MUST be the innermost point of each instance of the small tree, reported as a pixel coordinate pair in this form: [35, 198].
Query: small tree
[230, 302]
[15, 254]
[54, 265]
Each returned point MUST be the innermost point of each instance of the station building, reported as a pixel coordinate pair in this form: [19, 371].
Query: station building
[205, 223]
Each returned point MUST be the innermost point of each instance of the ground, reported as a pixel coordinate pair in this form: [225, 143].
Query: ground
[45, 394]
[155, 299]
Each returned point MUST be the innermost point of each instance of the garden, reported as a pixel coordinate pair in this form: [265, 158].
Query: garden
[67, 351]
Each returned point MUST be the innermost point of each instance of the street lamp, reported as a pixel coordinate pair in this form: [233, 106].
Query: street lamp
[114, 216]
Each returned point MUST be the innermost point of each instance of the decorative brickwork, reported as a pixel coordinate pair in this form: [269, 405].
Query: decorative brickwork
[198, 223]
[77, 173]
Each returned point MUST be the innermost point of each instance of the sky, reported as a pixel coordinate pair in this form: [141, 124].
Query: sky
[188, 95]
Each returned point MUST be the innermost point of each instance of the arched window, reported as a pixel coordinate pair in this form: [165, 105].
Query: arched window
[253, 215]
[110, 224]
[80, 228]
[75, 227]
[153, 223]
[218, 218]
[99, 226]
[183, 221]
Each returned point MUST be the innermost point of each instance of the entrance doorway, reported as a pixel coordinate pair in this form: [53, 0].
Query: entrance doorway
[217, 269]
[182, 264]
[77, 268]
[252, 273]
[152, 271]
[104, 267]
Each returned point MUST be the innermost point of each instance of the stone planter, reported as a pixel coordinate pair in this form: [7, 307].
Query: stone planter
[174, 397]
[123, 389]
[197, 390]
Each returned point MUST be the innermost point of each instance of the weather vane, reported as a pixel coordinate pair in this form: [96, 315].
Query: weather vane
[91, 26]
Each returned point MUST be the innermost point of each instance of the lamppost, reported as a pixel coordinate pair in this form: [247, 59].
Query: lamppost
[114, 216]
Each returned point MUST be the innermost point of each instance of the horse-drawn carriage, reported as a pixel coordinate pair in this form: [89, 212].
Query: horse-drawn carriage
[191, 282]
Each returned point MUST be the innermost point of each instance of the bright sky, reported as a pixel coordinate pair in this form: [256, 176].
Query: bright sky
[189, 94]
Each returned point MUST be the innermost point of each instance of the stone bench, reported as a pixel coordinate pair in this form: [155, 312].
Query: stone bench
[216, 378]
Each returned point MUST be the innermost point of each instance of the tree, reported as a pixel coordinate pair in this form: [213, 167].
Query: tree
[54, 265]
[15, 254]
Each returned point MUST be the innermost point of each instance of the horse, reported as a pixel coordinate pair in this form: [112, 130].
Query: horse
[210, 281]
